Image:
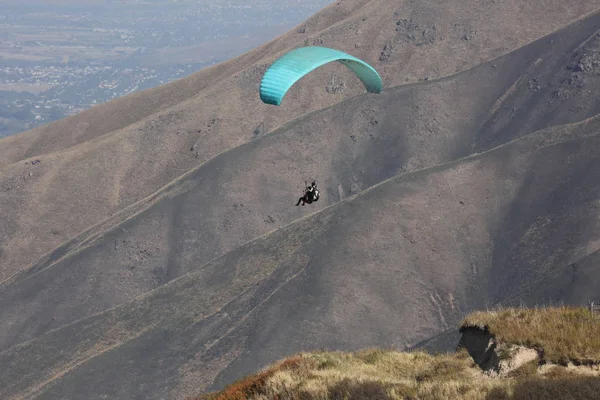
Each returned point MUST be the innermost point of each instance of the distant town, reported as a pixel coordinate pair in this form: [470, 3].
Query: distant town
[57, 60]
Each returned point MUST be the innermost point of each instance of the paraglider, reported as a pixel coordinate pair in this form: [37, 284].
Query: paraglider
[297, 63]
[311, 194]
[292, 66]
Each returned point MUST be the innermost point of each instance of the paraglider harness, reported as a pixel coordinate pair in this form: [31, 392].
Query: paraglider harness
[311, 194]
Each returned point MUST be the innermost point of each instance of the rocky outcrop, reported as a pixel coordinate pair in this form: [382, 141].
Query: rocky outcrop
[481, 345]
[493, 357]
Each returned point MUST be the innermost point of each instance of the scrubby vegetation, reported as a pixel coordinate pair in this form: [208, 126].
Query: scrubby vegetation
[563, 333]
[368, 374]
[389, 374]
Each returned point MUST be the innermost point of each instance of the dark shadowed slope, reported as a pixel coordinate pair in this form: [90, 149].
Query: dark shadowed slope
[392, 266]
[107, 158]
[250, 190]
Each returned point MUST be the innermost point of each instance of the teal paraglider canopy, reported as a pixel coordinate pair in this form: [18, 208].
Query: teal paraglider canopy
[292, 66]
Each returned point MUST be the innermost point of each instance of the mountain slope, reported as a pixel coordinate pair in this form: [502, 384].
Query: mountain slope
[248, 191]
[103, 160]
[184, 264]
[495, 359]
[366, 271]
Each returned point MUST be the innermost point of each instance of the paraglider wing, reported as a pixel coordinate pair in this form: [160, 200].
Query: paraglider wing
[292, 66]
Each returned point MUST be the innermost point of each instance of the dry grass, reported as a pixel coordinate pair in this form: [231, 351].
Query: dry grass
[567, 388]
[368, 374]
[255, 385]
[524, 371]
[390, 375]
[563, 333]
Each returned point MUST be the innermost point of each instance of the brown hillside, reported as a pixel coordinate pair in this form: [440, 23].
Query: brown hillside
[525, 372]
[157, 251]
[250, 190]
[369, 270]
[104, 159]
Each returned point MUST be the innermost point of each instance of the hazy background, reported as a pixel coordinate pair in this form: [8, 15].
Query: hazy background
[58, 57]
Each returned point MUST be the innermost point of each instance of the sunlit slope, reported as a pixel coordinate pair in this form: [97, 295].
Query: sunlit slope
[536, 353]
[252, 189]
[368, 271]
[96, 163]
